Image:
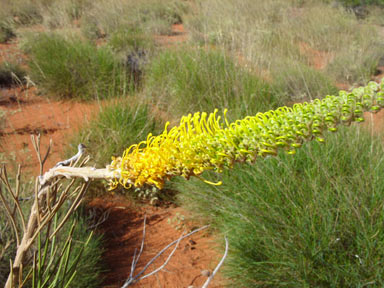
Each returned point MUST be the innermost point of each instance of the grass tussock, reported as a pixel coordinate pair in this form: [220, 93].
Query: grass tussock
[312, 220]
[186, 80]
[90, 265]
[69, 68]
[22, 12]
[51, 14]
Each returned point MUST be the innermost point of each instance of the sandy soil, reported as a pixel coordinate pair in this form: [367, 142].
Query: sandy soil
[28, 114]
[123, 232]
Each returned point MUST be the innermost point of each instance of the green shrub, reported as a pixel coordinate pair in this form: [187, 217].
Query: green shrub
[76, 69]
[190, 80]
[11, 74]
[311, 220]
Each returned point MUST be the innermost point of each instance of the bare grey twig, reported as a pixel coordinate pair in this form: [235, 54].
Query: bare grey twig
[165, 263]
[131, 280]
[136, 259]
[218, 265]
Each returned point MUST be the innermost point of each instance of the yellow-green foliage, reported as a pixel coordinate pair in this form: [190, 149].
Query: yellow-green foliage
[205, 142]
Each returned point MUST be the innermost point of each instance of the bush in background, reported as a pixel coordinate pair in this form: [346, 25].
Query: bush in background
[68, 68]
[312, 220]
[128, 41]
[268, 34]
[186, 80]
[151, 16]
[301, 82]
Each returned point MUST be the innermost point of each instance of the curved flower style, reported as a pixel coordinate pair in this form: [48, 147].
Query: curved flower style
[208, 142]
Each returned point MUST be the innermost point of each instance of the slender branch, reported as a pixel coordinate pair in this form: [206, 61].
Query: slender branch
[135, 260]
[14, 195]
[165, 263]
[218, 265]
[11, 217]
[48, 150]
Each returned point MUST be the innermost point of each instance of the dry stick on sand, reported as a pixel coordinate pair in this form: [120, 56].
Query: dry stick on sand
[134, 279]
[43, 210]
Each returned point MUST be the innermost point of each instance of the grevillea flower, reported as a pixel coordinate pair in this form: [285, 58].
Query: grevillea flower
[208, 142]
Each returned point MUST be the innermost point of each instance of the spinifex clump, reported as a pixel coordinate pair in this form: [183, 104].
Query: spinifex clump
[205, 142]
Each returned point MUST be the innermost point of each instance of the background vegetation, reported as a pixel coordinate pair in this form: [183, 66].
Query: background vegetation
[186, 80]
[69, 68]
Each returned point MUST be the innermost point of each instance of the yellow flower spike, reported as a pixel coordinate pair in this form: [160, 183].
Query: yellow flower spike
[201, 142]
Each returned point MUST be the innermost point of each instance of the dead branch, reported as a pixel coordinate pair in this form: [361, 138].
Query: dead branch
[85, 173]
[49, 196]
[131, 280]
